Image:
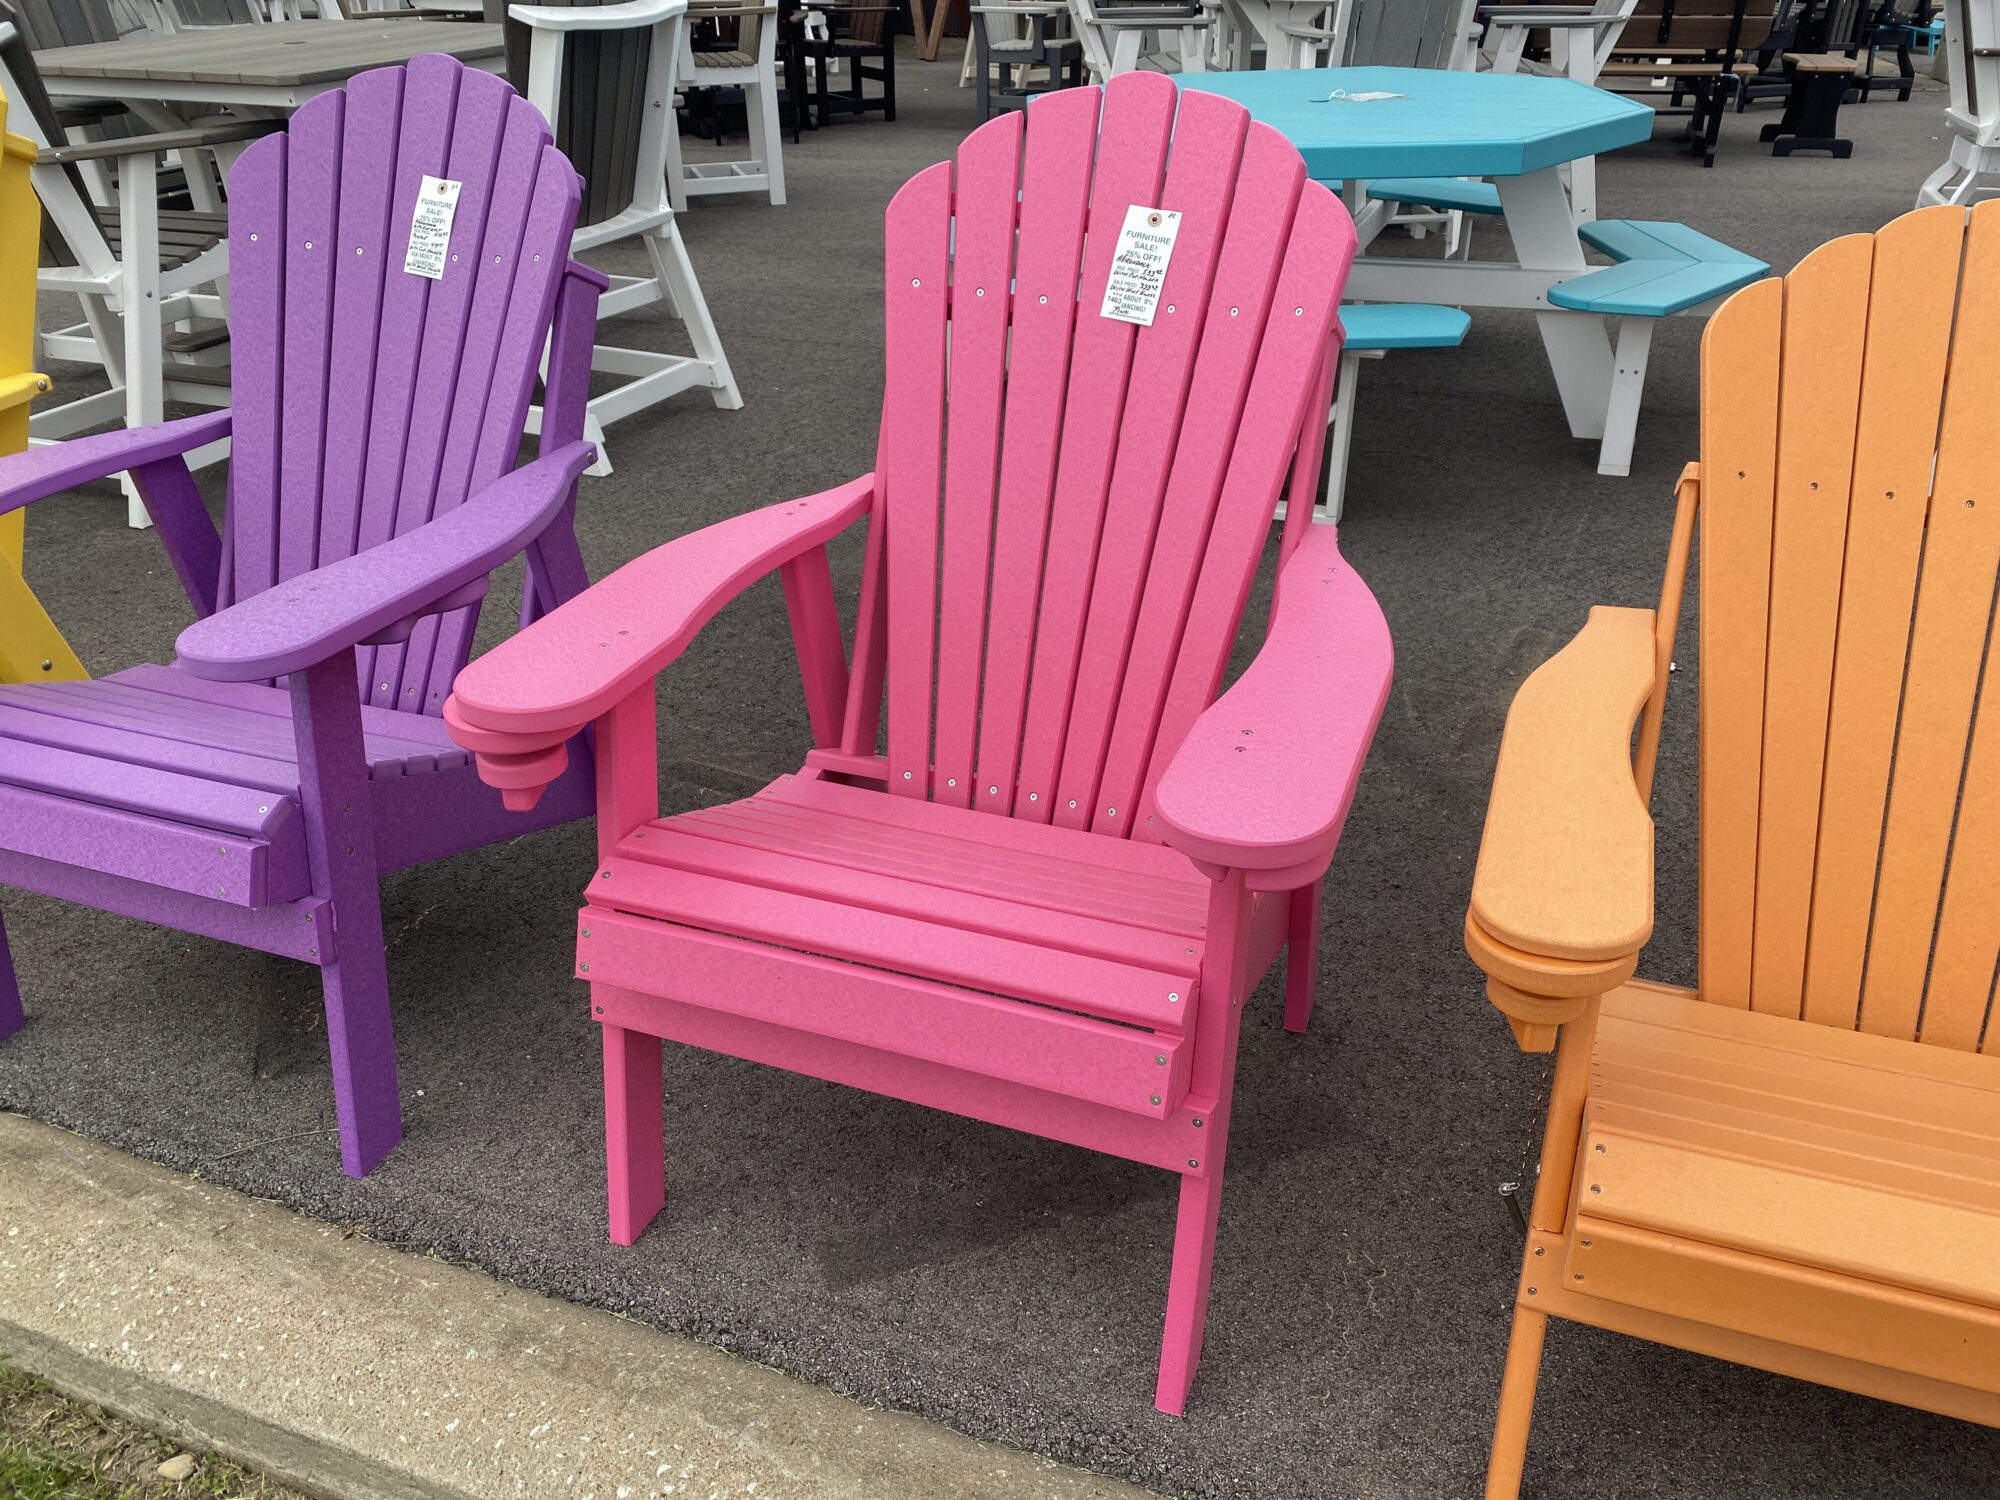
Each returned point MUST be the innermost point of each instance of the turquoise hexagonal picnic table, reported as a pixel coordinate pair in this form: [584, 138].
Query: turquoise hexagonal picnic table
[1440, 124]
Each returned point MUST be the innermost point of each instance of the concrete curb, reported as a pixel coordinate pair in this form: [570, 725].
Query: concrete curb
[352, 1371]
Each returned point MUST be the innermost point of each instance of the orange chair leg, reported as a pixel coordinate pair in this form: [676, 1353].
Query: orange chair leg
[1517, 1405]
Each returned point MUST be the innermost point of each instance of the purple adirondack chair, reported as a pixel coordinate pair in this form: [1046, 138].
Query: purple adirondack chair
[248, 792]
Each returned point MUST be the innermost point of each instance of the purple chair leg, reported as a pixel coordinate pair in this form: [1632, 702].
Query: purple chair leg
[12, 1017]
[340, 849]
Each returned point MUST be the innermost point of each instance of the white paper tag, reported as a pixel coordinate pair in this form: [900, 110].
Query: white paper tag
[1367, 96]
[1139, 268]
[430, 227]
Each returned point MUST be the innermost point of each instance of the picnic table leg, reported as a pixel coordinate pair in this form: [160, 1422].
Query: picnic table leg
[1579, 348]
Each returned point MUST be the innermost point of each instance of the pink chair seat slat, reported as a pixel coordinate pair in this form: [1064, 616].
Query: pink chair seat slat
[1038, 1045]
[1208, 148]
[1131, 164]
[817, 873]
[1055, 190]
[982, 268]
[900, 942]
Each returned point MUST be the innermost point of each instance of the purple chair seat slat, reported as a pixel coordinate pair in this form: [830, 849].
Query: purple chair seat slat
[136, 748]
[197, 801]
[225, 867]
[381, 726]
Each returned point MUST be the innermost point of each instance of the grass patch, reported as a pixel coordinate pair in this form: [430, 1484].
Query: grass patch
[53, 1448]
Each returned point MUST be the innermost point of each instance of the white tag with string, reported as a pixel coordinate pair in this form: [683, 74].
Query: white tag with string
[1139, 265]
[430, 227]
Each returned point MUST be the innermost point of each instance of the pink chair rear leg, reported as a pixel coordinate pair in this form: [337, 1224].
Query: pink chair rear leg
[635, 1151]
[12, 1017]
[1187, 1285]
[1301, 956]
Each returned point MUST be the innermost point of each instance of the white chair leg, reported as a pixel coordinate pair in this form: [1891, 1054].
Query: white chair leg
[765, 136]
[677, 193]
[1339, 440]
[1628, 385]
[676, 273]
[139, 292]
[593, 432]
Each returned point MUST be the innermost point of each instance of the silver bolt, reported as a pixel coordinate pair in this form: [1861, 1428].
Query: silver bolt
[1298, 312]
[1585, 1244]
[1234, 311]
[598, 1009]
[1598, 1148]
[979, 291]
[309, 244]
[1539, 1250]
[1045, 301]
[1533, 1290]
[586, 932]
[1072, 802]
[1173, 997]
[584, 967]
[312, 953]
[1161, 1060]
[1595, 1188]
[1576, 1276]
[1110, 812]
[604, 875]
[1197, 1122]
[1170, 307]
[1034, 796]
[951, 781]
[906, 776]
[993, 791]
[253, 239]
[384, 686]
[1155, 1098]
[1192, 1162]
[263, 809]
[914, 281]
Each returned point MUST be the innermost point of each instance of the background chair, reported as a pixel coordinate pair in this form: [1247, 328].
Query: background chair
[1796, 1164]
[1017, 39]
[150, 280]
[604, 75]
[31, 648]
[1120, 36]
[249, 792]
[982, 915]
[745, 59]
[860, 41]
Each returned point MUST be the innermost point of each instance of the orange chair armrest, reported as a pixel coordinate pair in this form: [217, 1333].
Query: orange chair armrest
[1566, 862]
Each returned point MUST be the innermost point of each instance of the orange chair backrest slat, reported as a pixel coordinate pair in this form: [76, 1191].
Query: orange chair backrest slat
[1850, 723]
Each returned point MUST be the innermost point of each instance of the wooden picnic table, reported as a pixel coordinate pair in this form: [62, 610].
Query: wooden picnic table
[269, 69]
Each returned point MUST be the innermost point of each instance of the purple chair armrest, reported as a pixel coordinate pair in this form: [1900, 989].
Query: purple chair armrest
[376, 595]
[1263, 781]
[27, 477]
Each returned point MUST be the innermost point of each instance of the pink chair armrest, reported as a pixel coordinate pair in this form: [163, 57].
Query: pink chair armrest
[1264, 779]
[541, 686]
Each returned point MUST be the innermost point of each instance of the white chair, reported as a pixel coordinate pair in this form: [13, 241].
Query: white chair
[1320, 41]
[1581, 40]
[752, 66]
[1971, 170]
[1119, 38]
[144, 276]
[626, 198]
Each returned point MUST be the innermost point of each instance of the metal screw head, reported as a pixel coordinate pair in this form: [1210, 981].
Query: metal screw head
[979, 291]
[1170, 307]
[1598, 1148]
[1584, 1243]
[1576, 1276]
[1110, 812]
[1034, 796]
[584, 967]
[906, 776]
[1533, 1290]
[253, 239]
[309, 244]
[1234, 311]
[312, 953]
[1595, 1188]
[1192, 1162]
[1539, 1250]
[586, 932]
[598, 1009]
[1155, 1098]
[993, 791]
[916, 281]
[1173, 997]
[1045, 301]
[1161, 1060]
[951, 781]
[1197, 1122]
[384, 686]
[263, 809]
[603, 874]
[358, 250]
[1072, 802]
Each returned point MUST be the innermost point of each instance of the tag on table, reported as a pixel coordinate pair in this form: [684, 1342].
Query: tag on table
[1139, 266]
[1366, 96]
[430, 227]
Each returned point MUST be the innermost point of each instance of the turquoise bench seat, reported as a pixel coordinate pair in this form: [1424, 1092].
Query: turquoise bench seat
[1437, 192]
[1402, 325]
[1663, 269]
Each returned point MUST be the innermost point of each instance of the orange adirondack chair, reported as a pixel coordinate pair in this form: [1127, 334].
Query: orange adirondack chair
[1044, 901]
[1796, 1165]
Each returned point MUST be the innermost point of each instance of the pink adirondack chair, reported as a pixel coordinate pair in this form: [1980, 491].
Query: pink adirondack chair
[1083, 860]
[248, 792]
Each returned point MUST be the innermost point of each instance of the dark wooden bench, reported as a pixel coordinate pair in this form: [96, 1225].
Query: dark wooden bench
[1701, 50]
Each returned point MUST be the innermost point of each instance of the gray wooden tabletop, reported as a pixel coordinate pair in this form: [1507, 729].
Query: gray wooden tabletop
[283, 54]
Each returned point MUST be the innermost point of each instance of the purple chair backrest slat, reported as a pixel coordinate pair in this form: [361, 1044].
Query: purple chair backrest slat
[370, 399]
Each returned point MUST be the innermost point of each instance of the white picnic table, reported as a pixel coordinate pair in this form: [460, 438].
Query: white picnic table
[1514, 129]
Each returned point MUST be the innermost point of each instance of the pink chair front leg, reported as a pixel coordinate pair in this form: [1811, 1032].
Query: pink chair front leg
[1302, 956]
[635, 1153]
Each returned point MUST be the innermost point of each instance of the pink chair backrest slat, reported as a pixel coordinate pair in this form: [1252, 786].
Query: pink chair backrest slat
[1092, 494]
[370, 399]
